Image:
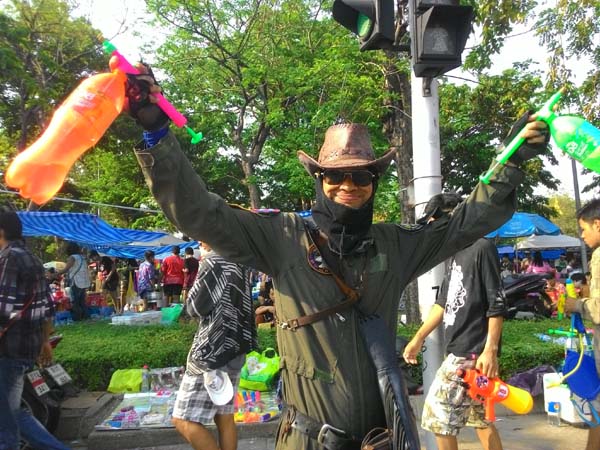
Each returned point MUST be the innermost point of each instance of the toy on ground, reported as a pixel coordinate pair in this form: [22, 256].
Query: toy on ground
[255, 406]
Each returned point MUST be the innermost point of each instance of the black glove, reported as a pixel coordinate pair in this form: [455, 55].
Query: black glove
[146, 113]
[526, 151]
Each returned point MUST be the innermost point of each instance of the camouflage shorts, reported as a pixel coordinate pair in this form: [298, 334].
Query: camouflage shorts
[448, 407]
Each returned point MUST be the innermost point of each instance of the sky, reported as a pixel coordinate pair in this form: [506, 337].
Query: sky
[119, 20]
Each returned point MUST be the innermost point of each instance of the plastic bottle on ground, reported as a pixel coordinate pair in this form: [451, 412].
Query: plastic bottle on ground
[554, 414]
[543, 337]
[145, 379]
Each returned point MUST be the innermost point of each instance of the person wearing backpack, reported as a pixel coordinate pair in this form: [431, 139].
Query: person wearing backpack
[221, 294]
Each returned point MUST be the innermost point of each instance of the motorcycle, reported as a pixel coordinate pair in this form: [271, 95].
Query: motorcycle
[526, 296]
[43, 391]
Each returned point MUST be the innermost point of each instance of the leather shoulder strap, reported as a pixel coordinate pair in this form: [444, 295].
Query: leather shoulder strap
[350, 294]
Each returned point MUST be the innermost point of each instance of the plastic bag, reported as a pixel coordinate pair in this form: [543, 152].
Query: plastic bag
[584, 382]
[172, 313]
[125, 380]
[260, 370]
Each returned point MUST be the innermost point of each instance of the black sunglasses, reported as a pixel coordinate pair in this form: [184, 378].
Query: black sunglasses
[358, 177]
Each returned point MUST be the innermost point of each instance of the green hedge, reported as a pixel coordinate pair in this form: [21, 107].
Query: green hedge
[521, 348]
[92, 351]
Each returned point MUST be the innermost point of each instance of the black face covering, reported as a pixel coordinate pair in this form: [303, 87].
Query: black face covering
[346, 228]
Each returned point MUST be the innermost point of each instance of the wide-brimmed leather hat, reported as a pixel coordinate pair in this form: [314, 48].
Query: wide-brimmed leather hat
[346, 146]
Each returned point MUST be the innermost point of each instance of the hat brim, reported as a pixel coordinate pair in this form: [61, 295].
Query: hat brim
[225, 395]
[380, 165]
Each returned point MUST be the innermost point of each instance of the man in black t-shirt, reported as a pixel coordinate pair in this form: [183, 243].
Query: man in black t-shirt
[471, 305]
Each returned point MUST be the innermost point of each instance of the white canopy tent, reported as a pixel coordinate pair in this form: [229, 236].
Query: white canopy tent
[536, 242]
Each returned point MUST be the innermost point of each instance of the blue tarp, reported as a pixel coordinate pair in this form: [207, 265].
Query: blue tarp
[89, 231]
[549, 255]
[525, 224]
[137, 251]
[506, 250]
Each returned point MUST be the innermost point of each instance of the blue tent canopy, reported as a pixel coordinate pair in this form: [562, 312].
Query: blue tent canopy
[506, 250]
[549, 255]
[525, 224]
[137, 251]
[89, 231]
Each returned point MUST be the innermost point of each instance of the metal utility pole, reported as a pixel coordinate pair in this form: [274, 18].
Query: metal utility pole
[584, 260]
[427, 182]
[438, 31]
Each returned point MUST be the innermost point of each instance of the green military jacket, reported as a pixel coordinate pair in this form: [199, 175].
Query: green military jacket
[327, 373]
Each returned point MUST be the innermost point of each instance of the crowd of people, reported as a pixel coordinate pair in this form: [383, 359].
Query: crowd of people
[564, 266]
[87, 271]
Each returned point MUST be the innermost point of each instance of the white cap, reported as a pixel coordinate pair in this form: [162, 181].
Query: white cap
[219, 387]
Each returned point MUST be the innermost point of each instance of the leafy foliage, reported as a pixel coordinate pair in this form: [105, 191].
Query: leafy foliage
[565, 218]
[265, 78]
[44, 54]
[472, 119]
[259, 107]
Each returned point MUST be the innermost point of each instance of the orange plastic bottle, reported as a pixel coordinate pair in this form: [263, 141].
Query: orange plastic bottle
[40, 170]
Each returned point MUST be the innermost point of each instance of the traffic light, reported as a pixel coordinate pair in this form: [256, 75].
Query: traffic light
[372, 20]
[440, 29]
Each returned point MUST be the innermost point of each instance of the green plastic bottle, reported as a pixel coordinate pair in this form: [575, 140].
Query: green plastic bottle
[572, 134]
[578, 138]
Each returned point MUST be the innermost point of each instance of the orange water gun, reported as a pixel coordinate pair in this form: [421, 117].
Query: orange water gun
[493, 390]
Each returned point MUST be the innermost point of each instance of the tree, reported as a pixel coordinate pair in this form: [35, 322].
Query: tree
[472, 120]
[567, 29]
[273, 75]
[43, 55]
[565, 217]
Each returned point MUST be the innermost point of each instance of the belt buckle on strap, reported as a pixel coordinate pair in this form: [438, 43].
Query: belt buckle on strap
[326, 428]
[290, 325]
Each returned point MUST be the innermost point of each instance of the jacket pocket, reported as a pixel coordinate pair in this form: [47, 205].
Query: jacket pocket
[325, 373]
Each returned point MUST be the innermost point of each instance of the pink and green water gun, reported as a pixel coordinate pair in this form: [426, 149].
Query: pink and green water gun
[176, 117]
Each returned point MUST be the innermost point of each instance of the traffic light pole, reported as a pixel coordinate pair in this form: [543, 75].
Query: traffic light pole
[427, 182]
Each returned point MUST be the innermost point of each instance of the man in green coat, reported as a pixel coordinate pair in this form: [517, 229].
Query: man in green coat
[330, 386]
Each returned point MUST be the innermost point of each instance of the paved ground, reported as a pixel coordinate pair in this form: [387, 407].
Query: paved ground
[530, 432]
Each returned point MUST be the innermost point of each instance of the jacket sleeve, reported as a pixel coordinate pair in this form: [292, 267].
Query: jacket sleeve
[486, 209]
[238, 235]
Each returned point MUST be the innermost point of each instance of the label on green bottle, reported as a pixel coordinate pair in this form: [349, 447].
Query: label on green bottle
[585, 140]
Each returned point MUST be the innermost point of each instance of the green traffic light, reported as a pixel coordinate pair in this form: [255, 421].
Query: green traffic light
[364, 26]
